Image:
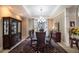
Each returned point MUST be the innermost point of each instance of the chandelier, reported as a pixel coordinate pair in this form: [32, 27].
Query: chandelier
[41, 18]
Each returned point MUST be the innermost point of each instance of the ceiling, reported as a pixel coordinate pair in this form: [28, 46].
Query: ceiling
[19, 10]
[35, 10]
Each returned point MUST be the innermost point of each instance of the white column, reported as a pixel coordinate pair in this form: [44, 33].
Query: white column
[66, 28]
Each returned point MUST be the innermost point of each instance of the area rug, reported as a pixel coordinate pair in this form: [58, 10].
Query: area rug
[25, 47]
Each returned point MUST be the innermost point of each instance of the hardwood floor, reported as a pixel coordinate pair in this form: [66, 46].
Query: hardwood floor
[25, 47]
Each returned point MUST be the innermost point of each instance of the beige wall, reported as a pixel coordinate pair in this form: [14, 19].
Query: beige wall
[50, 24]
[31, 24]
[60, 18]
[25, 28]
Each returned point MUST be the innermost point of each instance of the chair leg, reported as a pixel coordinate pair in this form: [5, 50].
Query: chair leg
[71, 44]
[77, 44]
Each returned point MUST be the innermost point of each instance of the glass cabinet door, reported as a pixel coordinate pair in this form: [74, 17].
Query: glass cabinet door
[13, 27]
[19, 29]
[6, 27]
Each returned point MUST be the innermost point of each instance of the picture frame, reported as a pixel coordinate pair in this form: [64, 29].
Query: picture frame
[72, 23]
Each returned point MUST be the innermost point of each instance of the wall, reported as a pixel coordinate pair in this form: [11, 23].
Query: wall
[31, 24]
[60, 18]
[25, 28]
[50, 24]
[64, 18]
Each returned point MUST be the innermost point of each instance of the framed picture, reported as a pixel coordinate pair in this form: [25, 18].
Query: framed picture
[72, 23]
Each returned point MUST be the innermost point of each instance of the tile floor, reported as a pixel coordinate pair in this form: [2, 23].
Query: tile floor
[69, 49]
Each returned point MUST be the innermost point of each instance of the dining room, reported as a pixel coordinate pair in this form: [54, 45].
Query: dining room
[39, 29]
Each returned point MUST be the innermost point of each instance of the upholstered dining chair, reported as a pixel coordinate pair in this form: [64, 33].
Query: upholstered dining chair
[41, 41]
[34, 43]
[74, 41]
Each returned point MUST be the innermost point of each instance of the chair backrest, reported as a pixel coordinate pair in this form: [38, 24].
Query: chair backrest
[40, 38]
[31, 33]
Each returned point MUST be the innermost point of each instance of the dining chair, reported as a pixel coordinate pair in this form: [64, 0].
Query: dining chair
[40, 41]
[34, 43]
[74, 41]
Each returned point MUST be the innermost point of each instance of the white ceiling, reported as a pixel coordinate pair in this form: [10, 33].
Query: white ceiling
[34, 10]
[18, 10]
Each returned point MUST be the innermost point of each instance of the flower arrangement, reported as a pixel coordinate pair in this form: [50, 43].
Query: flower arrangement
[75, 31]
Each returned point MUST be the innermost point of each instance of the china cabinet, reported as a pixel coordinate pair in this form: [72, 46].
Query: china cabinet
[11, 32]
